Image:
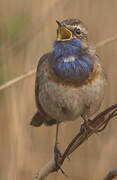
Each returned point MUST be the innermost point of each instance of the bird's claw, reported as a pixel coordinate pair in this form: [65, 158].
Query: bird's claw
[57, 157]
[85, 126]
[83, 129]
[57, 154]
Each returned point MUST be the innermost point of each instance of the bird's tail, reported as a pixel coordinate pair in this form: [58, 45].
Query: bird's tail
[37, 120]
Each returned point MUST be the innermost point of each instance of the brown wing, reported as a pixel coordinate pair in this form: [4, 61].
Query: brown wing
[42, 59]
[41, 117]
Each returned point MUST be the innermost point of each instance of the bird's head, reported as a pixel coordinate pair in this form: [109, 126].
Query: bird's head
[74, 31]
[71, 28]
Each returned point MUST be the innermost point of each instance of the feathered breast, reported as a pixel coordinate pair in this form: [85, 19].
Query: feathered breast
[75, 69]
[92, 76]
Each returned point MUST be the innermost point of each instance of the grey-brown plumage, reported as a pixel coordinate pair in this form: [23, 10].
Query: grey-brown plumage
[59, 96]
[40, 117]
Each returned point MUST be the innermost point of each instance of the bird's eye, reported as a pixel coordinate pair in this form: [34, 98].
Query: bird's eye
[78, 31]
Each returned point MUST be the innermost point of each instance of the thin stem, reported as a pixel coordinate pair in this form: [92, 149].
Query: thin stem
[19, 78]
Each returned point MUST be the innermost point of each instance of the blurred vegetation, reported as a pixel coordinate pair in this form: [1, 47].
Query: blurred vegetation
[10, 33]
[16, 29]
[27, 30]
[16, 26]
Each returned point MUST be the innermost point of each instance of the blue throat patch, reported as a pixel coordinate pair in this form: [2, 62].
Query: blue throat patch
[69, 64]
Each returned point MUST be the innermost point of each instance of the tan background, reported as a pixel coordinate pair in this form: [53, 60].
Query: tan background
[27, 30]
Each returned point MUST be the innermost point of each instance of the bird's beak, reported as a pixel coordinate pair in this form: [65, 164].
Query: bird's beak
[64, 34]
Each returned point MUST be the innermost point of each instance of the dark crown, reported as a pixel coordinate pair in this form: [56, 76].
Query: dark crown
[71, 22]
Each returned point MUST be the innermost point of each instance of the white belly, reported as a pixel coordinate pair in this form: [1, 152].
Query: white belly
[68, 103]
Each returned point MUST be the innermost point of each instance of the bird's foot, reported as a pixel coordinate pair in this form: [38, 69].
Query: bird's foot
[83, 129]
[57, 157]
[91, 127]
[85, 126]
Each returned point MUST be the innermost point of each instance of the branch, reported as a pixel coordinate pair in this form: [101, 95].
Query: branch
[99, 123]
[46, 170]
[106, 41]
[111, 174]
[13, 81]
[32, 72]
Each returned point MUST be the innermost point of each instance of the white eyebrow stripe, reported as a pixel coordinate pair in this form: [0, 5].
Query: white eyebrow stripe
[69, 59]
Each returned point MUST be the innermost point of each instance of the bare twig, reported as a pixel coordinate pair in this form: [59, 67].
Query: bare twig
[32, 72]
[99, 123]
[46, 170]
[13, 81]
[106, 41]
[111, 174]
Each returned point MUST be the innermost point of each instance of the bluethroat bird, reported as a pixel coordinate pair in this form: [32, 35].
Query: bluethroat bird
[70, 80]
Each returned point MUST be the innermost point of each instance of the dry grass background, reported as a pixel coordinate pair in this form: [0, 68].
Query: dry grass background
[27, 30]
